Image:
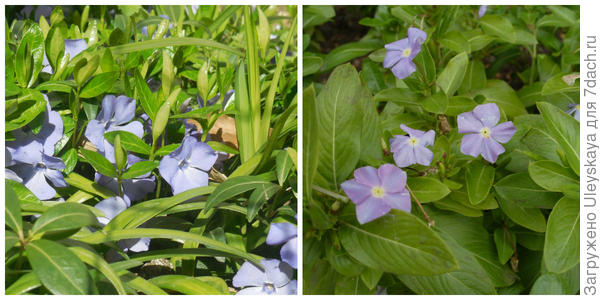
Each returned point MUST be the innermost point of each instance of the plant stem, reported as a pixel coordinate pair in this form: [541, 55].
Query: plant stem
[119, 185]
[330, 193]
[429, 221]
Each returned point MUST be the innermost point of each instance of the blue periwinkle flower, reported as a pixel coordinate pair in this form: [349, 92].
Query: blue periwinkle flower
[482, 10]
[483, 133]
[401, 53]
[31, 156]
[133, 189]
[411, 149]
[113, 206]
[276, 279]
[72, 47]
[376, 191]
[187, 167]
[116, 114]
[574, 110]
[287, 233]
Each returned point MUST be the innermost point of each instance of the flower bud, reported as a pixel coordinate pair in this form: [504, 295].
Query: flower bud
[160, 122]
[120, 154]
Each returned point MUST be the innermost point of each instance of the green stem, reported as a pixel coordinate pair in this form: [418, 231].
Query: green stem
[330, 193]
[75, 113]
[119, 184]
[533, 59]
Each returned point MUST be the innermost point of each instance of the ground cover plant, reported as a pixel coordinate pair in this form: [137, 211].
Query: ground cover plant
[150, 150]
[441, 150]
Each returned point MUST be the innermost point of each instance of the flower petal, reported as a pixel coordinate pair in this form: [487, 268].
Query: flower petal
[135, 245]
[482, 10]
[94, 132]
[398, 200]
[56, 177]
[108, 108]
[491, 150]
[74, 47]
[404, 156]
[289, 289]
[111, 207]
[280, 233]
[168, 167]
[36, 182]
[289, 253]
[398, 45]
[371, 209]
[391, 58]
[203, 157]
[53, 162]
[134, 127]
[404, 68]
[468, 123]
[414, 133]
[393, 179]
[504, 132]
[11, 175]
[255, 290]
[188, 178]
[25, 151]
[416, 35]
[398, 142]
[249, 275]
[488, 114]
[367, 176]
[355, 191]
[137, 188]
[277, 272]
[472, 144]
[428, 138]
[52, 130]
[124, 110]
[423, 155]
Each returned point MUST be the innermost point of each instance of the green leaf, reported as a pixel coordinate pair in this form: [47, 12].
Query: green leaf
[479, 178]
[310, 140]
[371, 277]
[263, 30]
[139, 169]
[552, 176]
[29, 106]
[63, 217]
[522, 190]
[70, 159]
[549, 284]
[243, 119]
[427, 64]
[342, 262]
[12, 211]
[504, 244]
[398, 243]
[346, 52]
[56, 86]
[436, 103]
[147, 99]
[565, 129]
[469, 279]
[262, 193]
[475, 77]
[55, 45]
[317, 14]
[427, 189]
[456, 42]
[561, 248]
[100, 163]
[59, 270]
[370, 135]
[311, 64]
[99, 84]
[283, 165]
[29, 55]
[556, 84]
[499, 92]
[531, 218]
[200, 113]
[400, 96]
[85, 68]
[129, 141]
[172, 41]
[351, 286]
[564, 13]
[24, 284]
[99, 263]
[233, 187]
[459, 104]
[452, 76]
[80, 182]
[338, 108]
[498, 26]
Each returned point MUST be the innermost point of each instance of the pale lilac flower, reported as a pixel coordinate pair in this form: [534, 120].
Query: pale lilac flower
[411, 149]
[72, 47]
[133, 189]
[484, 134]
[376, 191]
[30, 156]
[287, 233]
[401, 53]
[113, 206]
[574, 110]
[187, 167]
[482, 10]
[115, 113]
[276, 279]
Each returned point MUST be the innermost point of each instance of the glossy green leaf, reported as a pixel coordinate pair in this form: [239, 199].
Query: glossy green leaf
[475, 77]
[24, 284]
[561, 248]
[549, 284]
[557, 84]
[129, 141]
[99, 84]
[531, 218]
[101, 265]
[260, 196]
[29, 106]
[347, 52]
[552, 176]
[29, 55]
[459, 104]
[12, 212]
[139, 169]
[146, 99]
[85, 68]
[564, 129]
[505, 241]
[80, 182]
[172, 41]
[63, 217]
[398, 243]
[452, 75]
[311, 64]
[479, 177]
[59, 270]
[498, 26]
[436, 103]
[499, 92]
[283, 165]
[233, 187]
[100, 163]
[427, 189]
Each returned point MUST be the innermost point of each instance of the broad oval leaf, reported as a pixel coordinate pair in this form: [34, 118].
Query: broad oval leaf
[479, 177]
[64, 216]
[498, 26]
[436, 103]
[139, 169]
[499, 92]
[12, 211]
[561, 248]
[452, 76]
[347, 52]
[99, 84]
[520, 189]
[549, 284]
[59, 270]
[427, 189]
[531, 218]
[24, 284]
[398, 243]
[552, 176]
[100, 163]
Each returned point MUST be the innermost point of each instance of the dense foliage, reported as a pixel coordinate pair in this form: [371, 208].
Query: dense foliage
[150, 150]
[444, 158]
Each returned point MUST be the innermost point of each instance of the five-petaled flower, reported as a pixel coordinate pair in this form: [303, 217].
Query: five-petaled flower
[276, 279]
[287, 233]
[187, 167]
[483, 133]
[574, 110]
[133, 189]
[412, 149]
[376, 191]
[31, 156]
[115, 113]
[401, 53]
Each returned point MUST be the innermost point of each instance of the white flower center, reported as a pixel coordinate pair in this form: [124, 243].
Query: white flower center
[413, 141]
[406, 52]
[269, 288]
[485, 132]
[377, 192]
